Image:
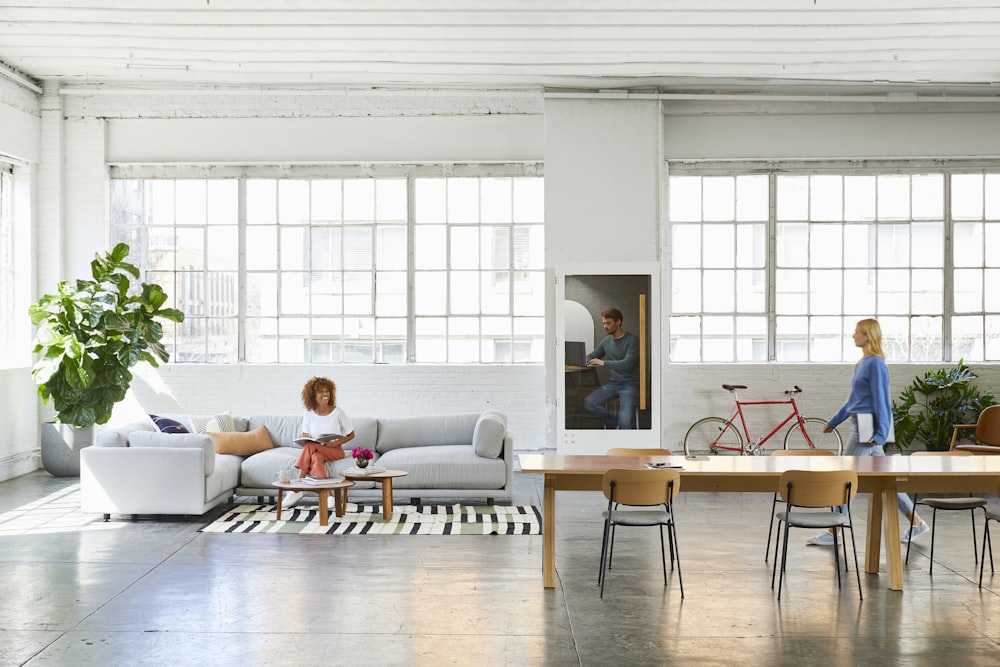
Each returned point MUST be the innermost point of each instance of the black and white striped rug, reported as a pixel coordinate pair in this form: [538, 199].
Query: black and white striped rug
[367, 520]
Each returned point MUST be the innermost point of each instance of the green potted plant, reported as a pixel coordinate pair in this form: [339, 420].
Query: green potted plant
[930, 406]
[90, 333]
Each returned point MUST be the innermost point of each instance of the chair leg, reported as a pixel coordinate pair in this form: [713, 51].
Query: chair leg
[986, 541]
[672, 527]
[933, 534]
[777, 546]
[604, 573]
[770, 530]
[913, 515]
[611, 548]
[604, 551]
[837, 534]
[975, 552]
[854, 547]
[663, 557]
[784, 559]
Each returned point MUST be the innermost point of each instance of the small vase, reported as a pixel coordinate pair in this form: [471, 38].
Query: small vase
[362, 462]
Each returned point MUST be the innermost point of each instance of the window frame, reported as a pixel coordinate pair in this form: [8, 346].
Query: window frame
[405, 334]
[773, 171]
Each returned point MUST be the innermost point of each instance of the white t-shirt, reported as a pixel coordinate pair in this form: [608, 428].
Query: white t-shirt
[336, 422]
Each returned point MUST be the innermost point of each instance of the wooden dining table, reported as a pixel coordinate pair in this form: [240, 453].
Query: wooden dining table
[881, 476]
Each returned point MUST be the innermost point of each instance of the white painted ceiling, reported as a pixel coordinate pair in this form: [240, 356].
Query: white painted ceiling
[944, 46]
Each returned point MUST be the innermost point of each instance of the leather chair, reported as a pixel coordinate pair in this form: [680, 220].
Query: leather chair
[987, 433]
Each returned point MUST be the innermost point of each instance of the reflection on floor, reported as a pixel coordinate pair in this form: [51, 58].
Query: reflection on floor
[155, 591]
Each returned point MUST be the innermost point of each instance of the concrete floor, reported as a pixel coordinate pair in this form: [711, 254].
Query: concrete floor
[155, 591]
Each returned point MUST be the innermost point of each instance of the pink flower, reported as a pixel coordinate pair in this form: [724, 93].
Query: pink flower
[361, 453]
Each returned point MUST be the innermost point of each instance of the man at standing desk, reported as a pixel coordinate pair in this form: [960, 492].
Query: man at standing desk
[618, 351]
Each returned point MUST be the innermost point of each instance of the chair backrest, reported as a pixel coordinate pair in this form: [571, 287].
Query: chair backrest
[642, 486]
[988, 426]
[818, 488]
[803, 452]
[950, 452]
[638, 451]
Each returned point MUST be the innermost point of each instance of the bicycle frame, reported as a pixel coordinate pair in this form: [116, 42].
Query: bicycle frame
[750, 444]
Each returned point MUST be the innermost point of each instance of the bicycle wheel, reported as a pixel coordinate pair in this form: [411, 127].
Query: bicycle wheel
[712, 435]
[794, 438]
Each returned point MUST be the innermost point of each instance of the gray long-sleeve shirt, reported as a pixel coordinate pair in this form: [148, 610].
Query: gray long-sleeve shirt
[621, 357]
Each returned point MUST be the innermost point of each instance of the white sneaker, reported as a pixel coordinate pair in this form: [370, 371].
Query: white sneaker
[822, 539]
[292, 499]
[914, 532]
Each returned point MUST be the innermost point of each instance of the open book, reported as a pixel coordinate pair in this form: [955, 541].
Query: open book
[317, 480]
[322, 438]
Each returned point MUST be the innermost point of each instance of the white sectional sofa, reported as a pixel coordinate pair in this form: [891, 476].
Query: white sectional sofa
[136, 469]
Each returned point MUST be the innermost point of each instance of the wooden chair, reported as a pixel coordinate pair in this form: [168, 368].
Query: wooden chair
[774, 501]
[987, 433]
[814, 489]
[638, 451]
[646, 488]
[991, 515]
[970, 503]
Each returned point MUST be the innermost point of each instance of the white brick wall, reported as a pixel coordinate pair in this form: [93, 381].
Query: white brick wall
[362, 390]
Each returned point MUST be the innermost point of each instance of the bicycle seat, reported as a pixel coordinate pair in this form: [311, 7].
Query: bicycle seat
[731, 387]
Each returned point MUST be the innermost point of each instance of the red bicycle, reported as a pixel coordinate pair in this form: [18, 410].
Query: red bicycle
[715, 435]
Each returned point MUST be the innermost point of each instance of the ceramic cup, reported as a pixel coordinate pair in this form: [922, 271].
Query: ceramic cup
[284, 476]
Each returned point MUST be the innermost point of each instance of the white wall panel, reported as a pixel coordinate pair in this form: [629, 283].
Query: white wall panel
[490, 138]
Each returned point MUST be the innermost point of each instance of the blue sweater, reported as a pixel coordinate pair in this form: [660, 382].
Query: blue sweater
[869, 393]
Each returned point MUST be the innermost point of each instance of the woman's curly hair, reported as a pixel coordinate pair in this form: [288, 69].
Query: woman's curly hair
[309, 392]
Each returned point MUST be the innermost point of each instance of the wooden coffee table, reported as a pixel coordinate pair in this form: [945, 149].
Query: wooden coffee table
[385, 479]
[322, 489]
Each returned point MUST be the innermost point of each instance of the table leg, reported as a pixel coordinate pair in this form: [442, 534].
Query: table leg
[340, 501]
[324, 511]
[549, 533]
[387, 498]
[893, 554]
[874, 538]
[281, 493]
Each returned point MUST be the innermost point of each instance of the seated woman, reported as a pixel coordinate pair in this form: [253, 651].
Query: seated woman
[322, 418]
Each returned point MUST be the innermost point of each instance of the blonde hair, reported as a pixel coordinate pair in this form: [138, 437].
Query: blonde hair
[870, 328]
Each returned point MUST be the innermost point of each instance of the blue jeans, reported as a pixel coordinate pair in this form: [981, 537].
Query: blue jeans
[627, 394]
[855, 448]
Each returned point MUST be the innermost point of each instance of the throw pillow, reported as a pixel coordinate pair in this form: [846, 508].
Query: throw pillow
[487, 438]
[242, 444]
[167, 425]
[222, 423]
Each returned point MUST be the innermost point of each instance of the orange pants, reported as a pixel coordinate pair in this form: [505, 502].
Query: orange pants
[314, 457]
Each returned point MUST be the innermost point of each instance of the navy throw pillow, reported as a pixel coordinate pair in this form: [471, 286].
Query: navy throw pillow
[168, 425]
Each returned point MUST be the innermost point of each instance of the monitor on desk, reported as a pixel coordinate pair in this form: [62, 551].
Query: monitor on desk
[576, 353]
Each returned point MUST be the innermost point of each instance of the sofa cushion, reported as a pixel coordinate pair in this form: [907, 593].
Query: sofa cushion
[425, 431]
[444, 467]
[193, 440]
[221, 423]
[487, 437]
[168, 425]
[241, 444]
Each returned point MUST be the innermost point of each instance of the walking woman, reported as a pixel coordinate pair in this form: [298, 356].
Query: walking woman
[870, 396]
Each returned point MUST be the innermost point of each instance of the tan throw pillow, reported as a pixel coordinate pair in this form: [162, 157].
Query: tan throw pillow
[242, 444]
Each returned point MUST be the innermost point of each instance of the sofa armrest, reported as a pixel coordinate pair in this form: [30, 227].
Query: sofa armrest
[148, 480]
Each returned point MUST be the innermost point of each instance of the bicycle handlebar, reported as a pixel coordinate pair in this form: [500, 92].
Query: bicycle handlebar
[796, 389]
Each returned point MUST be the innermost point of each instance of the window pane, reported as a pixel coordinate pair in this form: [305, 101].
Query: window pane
[967, 196]
[793, 197]
[826, 198]
[719, 198]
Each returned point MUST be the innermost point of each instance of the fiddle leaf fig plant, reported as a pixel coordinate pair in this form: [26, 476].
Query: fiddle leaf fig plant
[91, 332]
[930, 406]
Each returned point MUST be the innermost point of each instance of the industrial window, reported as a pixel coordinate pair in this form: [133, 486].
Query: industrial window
[780, 266]
[393, 269]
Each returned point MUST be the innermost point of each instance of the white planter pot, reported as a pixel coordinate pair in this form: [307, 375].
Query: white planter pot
[61, 445]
